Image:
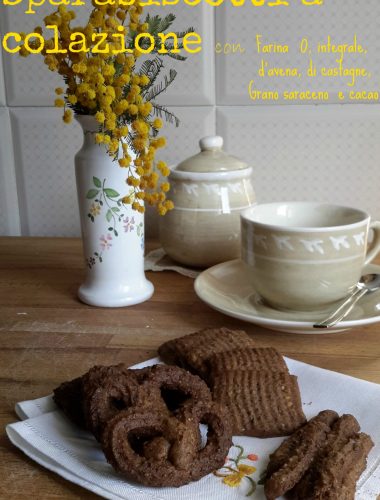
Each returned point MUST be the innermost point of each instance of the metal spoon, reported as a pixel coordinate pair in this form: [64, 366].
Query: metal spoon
[367, 283]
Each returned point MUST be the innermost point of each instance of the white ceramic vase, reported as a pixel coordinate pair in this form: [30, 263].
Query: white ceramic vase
[112, 233]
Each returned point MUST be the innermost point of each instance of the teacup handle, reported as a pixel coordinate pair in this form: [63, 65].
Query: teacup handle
[375, 226]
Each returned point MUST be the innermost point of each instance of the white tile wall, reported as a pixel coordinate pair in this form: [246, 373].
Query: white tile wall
[320, 153]
[328, 153]
[195, 82]
[340, 19]
[9, 212]
[2, 86]
[44, 153]
[28, 81]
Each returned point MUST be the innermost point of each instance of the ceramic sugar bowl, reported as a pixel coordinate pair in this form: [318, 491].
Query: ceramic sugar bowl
[209, 190]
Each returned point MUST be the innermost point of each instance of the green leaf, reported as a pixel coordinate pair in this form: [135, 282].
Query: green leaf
[92, 193]
[109, 215]
[115, 209]
[152, 68]
[162, 110]
[182, 34]
[111, 193]
[97, 182]
[158, 89]
[177, 57]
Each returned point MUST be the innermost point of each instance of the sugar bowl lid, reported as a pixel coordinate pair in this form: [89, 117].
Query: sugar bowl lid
[212, 158]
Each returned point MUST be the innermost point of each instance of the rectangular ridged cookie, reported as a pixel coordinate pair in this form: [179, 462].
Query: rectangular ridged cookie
[192, 351]
[249, 358]
[260, 403]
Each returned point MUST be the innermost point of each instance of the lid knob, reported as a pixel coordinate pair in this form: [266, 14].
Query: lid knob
[211, 142]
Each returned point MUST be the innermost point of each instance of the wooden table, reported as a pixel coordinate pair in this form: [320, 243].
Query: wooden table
[48, 336]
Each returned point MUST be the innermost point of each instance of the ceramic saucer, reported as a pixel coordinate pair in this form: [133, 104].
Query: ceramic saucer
[225, 287]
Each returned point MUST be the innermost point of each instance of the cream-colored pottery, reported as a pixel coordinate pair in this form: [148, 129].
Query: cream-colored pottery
[209, 190]
[304, 256]
[228, 289]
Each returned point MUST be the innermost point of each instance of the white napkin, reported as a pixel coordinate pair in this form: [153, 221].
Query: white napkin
[158, 260]
[51, 440]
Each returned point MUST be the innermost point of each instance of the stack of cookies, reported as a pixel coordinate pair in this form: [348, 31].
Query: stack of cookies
[148, 421]
[321, 461]
[253, 383]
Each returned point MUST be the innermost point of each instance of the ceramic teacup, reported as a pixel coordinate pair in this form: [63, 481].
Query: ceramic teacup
[305, 256]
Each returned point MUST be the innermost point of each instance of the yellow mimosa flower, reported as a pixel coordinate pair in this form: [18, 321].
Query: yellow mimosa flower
[157, 123]
[67, 116]
[72, 99]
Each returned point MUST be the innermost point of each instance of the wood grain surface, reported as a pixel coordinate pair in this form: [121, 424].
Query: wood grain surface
[48, 336]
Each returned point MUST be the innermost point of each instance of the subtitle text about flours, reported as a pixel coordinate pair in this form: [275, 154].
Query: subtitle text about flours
[319, 64]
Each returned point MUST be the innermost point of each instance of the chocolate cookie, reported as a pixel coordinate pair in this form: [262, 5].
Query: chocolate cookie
[106, 391]
[192, 351]
[69, 398]
[260, 403]
[249, 358]
[148, 421]
[171, 387]
[100, 393]
[295, 455]
[341, 430]
[219, 435]
[321, 461]
[151, 448]
[157, 449]
[289, 446]
[337, 465]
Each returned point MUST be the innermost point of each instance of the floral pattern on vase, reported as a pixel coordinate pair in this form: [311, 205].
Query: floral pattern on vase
[108, 199]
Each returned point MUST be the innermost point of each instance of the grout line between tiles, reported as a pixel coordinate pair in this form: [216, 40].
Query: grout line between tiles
[13, 222]
[20, 185]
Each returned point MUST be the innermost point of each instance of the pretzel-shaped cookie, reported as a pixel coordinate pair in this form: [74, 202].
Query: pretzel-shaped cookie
[219, 435]
[107, 391]
[148, 421]
[151, 448]
[162, 450]
[172, 387]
